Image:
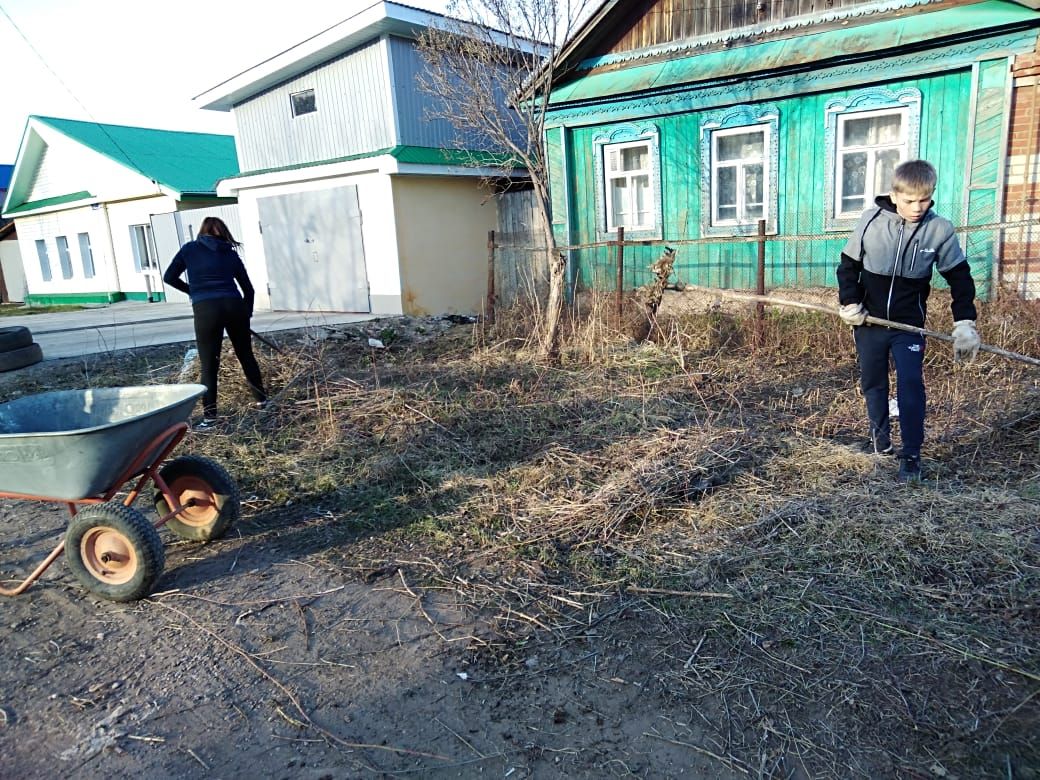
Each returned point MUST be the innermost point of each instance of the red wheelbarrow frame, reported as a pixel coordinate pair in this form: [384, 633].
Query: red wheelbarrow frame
[164, 444]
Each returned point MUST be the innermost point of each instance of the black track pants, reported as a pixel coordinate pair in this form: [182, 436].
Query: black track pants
[212, 319]
[874, 345]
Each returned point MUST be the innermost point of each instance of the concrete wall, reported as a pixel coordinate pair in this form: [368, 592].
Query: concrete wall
[442, 228]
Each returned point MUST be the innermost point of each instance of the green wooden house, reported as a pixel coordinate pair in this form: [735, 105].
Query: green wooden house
[686, 123]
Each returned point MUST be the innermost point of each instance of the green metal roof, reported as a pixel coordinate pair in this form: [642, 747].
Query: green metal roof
[188, 163]
[44, 202]
[415, 155]
[918, 29]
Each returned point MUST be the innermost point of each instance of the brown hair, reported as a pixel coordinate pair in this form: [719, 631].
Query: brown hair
[914, 176]
[214, 226]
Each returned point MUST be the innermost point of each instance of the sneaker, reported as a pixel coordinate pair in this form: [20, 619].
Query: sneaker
[910, 468]
[879, 445]
[261, 405]
[206, 424]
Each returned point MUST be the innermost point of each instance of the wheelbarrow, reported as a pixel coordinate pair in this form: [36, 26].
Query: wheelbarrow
[80, 447]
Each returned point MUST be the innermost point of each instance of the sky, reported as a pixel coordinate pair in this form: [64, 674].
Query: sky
[113, 62]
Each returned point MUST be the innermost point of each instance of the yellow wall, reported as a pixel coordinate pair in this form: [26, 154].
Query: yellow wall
[442, 227]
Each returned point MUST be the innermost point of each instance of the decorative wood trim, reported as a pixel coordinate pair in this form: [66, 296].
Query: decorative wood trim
[740, 116]
[870, 99]
[622, 134]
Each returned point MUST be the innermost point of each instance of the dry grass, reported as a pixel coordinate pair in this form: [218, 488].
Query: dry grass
[708, 482]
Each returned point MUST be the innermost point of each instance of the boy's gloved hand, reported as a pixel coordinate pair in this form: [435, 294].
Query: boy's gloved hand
[853, 313]
[966, 340]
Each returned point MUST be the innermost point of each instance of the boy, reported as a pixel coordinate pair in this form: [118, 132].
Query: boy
[885, 272]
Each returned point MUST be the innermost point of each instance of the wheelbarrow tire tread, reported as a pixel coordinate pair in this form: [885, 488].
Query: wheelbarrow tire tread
[21, 357]
[127, 524]
[14, 337]
[198, 473]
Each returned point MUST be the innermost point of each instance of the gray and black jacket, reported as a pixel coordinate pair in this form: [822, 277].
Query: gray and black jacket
[887, 265]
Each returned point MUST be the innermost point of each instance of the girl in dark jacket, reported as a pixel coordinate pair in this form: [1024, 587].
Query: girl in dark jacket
[213, 266]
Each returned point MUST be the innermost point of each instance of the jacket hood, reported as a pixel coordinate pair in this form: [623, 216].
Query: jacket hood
[215, 244]
[886, 204]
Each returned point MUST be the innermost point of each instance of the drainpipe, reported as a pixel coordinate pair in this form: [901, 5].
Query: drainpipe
[111, 250]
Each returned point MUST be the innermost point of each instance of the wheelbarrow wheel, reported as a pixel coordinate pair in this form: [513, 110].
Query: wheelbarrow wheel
[114, 551]
[216, 504]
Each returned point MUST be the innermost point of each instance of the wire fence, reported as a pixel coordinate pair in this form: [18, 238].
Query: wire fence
[1003, 255]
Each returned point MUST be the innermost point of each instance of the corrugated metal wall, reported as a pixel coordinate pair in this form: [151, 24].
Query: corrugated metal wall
[412, 103]
[353, 114]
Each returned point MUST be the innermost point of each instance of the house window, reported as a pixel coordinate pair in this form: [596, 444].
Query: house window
[303, 102]
[86, 255]
[870, 145]
[45, 260]
[628, 189]
[145, 256]
[867, 135]
[627, 175]
[739, 162]
[64, 258]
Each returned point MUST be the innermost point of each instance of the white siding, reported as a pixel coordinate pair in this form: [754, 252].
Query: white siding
[412, 103]
[353, 115]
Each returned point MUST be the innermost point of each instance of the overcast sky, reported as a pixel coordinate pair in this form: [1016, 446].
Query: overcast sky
[130, 62]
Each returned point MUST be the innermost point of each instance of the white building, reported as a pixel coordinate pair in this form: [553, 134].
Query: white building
[349, 198]
[82, 196]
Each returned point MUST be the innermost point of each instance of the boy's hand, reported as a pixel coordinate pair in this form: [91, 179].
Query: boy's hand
[853, 313]
[966, 340]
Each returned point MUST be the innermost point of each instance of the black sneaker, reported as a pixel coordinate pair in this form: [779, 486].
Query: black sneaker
[879, 445]
[910, 468]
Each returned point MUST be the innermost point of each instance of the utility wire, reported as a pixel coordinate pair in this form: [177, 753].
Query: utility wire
[65, 86]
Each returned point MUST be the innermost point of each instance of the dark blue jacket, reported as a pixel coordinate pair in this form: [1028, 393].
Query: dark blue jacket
[213, 267]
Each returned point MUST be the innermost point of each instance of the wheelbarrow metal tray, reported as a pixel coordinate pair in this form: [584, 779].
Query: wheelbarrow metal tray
[73, 444]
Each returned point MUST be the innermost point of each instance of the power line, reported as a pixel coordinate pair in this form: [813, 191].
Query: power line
[72, 94]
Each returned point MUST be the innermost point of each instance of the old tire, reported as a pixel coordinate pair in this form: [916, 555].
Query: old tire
[114, 551]
[21, 357]
[217, 505]
[14, 337]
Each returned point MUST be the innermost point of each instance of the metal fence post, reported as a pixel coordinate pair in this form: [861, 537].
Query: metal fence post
[618, 300]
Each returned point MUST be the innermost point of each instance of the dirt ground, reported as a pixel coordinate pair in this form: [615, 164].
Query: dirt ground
[279, 652]
[314, 642]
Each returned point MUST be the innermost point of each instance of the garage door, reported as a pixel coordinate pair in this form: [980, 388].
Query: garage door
[315, 255]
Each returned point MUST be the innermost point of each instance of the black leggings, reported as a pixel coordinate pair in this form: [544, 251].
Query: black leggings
[212, 318]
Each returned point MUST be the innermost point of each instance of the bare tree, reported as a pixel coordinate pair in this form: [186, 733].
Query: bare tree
[490, 65]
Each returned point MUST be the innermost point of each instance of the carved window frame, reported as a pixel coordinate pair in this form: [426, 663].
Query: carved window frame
[765, 115]
[866, 100]
[627, 135]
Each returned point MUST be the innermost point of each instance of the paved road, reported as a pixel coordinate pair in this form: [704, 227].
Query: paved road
[127, 325]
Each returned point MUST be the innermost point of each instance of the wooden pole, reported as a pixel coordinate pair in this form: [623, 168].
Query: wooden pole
[768, 299]
[618, 300]
[490, 315]
[760, 278]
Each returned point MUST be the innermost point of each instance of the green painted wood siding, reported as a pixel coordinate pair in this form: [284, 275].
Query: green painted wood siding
[944, 133]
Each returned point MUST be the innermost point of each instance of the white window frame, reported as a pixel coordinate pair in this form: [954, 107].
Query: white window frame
[609, 177]
[616, 140]
[45, 260]
[303, 93]
[147, 260]
[86, 255]
[738, 120]
[871, 150]
[741, 165]
[64, 256]
[872, 101]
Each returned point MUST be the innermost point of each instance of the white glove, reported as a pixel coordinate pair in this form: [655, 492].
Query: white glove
[966, 340]
[853, 313]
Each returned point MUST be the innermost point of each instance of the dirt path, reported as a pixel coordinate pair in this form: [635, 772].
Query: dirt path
[258, 657]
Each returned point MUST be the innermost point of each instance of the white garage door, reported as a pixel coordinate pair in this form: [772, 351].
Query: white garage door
[315, 255]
